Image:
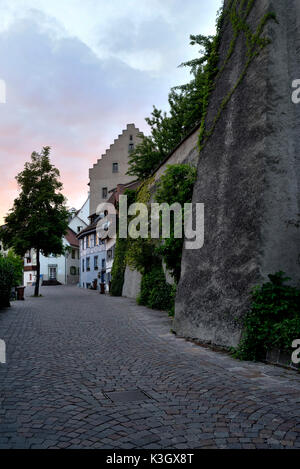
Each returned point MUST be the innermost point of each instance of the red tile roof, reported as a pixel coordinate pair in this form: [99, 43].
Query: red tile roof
[71, 238]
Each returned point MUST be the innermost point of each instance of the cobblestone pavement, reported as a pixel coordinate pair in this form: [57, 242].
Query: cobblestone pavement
[68, 351]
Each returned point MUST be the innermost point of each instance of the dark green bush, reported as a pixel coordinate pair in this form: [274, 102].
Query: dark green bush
[11, 269]
[175, 186]
[156, 293]
[119, 266]
[274, 319]
[6, 281]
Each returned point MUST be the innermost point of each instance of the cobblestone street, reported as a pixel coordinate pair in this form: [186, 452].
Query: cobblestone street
[72, 353]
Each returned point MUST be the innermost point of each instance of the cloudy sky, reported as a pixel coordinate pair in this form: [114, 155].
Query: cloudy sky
[77, 72]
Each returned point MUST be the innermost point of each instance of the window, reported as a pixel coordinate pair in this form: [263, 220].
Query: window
[87, 263]
[88, 241]
[96, 263]
[30, 277]
[109, 254]
[28, 260]
[115, 167]
[130, 147]
[103, 264]
[79, 228]
[73, 253]
[82, 265]
[131, 138]
[104, 192]
[73, 270]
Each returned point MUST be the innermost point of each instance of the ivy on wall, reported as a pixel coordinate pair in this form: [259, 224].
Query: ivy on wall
[273, 321]
[146, 254]
[236, 13]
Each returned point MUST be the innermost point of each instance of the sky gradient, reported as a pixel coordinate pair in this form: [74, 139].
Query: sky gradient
[77, 72]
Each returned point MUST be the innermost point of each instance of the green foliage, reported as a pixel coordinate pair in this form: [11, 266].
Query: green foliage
[143, 159]
[274, 319]
[118, 268]
[156, 293]
[171, 252]
[39, 218]
[186, 106]
[7, 280]
[18, 266]
[175, 185]
[140, 253]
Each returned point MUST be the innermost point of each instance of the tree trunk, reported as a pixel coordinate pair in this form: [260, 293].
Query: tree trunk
[37, 282]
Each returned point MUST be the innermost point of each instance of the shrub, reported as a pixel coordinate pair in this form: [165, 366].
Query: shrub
[11, 270]
[17, 263]
[7, 276]
[273, 321]
[118, 269]
[156, 293]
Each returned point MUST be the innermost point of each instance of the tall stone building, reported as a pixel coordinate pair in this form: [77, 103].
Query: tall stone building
[248, 175]
[110, 170]
[96, 254]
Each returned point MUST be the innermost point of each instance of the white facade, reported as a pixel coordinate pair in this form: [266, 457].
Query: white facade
[54, 267]
[80, 219]
[29, 268]
[66, 268]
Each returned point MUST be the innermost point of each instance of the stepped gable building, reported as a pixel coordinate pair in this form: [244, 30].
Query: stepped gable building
[111, 169]
[108, 179]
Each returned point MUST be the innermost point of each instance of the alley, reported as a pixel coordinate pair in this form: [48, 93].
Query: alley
[90, 371]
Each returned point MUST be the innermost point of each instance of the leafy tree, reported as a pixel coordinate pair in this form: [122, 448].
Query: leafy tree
[187, 104]
[143, 158]
[39, 218]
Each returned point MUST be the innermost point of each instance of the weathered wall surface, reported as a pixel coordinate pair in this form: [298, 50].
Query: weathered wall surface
[249, 179]
[132, 283]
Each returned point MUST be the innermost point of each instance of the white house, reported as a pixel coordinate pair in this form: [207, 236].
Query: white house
[63, 269]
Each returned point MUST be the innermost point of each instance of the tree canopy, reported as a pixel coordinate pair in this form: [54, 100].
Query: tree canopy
[39, 218]
[187, 104]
